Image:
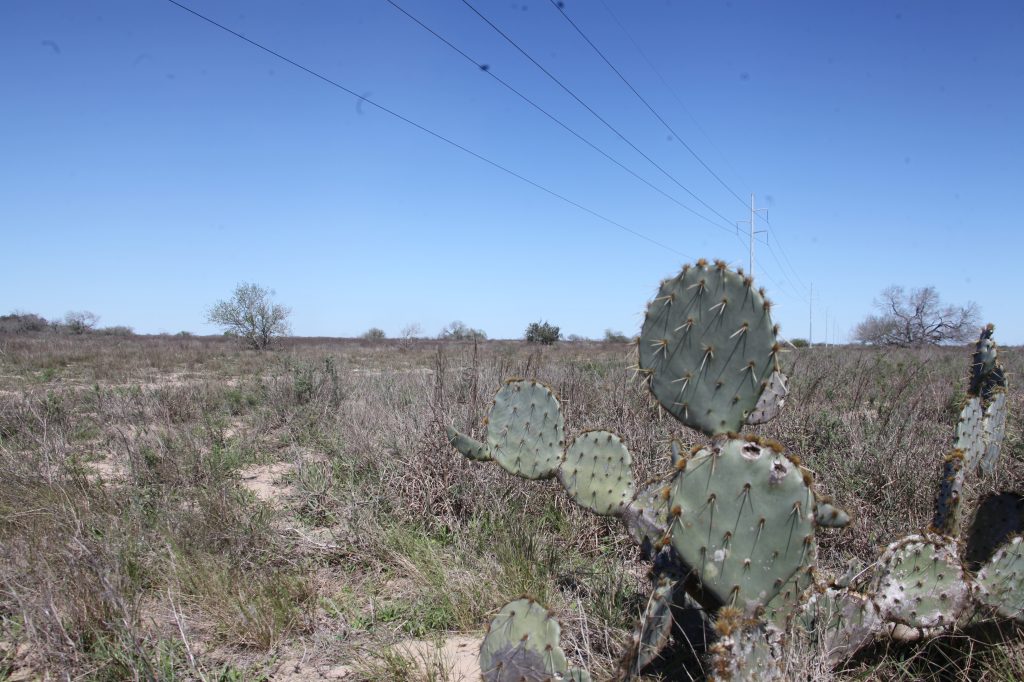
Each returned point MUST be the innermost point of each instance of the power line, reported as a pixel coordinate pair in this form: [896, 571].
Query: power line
[490, 72]
[668, 87]
[560, 6]
[785, 255]
[591, 110]
[424, 129]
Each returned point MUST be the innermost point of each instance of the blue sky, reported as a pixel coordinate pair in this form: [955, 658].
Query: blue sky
[152, 161]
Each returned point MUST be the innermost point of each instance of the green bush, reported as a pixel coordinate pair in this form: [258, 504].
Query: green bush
[543, 333]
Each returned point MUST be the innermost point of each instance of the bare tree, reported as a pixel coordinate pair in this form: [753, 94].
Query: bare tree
[80, 321]
[917, 318]
[251, 315]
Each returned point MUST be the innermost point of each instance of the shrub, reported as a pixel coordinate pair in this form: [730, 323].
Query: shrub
[543, 333]
[800, 343]
[612, 336]
[374, 334]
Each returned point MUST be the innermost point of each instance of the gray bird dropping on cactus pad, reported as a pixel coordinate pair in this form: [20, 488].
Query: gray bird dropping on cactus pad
[525, 431]
[708, 347]
[772, 400]
[1001, 581]
[522, 645]
[993, 426]
[742, 518]
[596, 472]
[920, 583]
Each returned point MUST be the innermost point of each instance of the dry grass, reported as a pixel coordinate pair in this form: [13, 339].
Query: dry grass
[134, 546]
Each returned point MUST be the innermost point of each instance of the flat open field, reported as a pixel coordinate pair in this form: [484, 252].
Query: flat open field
[178, 508]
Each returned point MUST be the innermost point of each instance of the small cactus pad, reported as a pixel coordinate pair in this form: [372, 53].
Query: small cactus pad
[920, 583]
[741, 516]
[522, 645]
[525, 431]
[999, 518]
[947, 501]
[742, 652]
[969, 433]
[1001, 581]
[828, 515]
[473, 449]
[596, 473]
[646, 516]
[986, 372]
[993, 426]
[656, 623]
[840, 622]
[708, 348]
[772, 400]
[783, 606]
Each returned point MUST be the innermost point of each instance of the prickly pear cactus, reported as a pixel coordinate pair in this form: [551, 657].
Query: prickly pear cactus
[743, 652]
[708, 347]
[1001, 581]
[921, 583]
[742, 517]
[522, 645]
[525, 431]
[597, 472]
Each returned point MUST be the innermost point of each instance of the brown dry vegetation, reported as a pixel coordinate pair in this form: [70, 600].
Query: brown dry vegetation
[177, 508]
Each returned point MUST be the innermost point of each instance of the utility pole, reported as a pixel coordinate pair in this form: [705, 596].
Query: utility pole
[753, 230]
[826, 327]
[810, 317]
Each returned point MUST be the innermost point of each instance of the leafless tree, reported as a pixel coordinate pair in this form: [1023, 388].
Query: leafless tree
[251, 315]
[917, 318]
[80, 321]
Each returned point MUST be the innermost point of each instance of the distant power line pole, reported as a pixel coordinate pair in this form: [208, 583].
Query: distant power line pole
[753, 230]
[810, 317]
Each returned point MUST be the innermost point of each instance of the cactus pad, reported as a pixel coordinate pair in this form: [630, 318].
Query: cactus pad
[741, 517]
[772, 400]
[656, 624]
[840, 622]
[969, 432]
[986, 372]
[708, 348]
[920, 583]
[522, 645]
[525, 431]
[993, 430]
[828, 515]
[596, 472]
[1001, 581]
[472, 449]
[947, 502]
[646, 516]
[742, 652]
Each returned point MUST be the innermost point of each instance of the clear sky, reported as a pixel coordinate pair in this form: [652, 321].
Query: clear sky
[151, 161]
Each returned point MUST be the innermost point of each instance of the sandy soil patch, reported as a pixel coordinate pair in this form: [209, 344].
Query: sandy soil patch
[266, 482]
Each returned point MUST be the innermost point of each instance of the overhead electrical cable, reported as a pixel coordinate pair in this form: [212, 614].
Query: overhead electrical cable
[490, 72]
[424, 129]
[668, 87]
[586, 106]
[560, 6]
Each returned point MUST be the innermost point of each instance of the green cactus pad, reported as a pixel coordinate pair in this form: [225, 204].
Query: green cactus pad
[473, 449]
[969, 433]
[1001, 581]
[708, 348]
[840, 622]
[577, 675]
[646, 516]
[596, 473]
[742, 652]
[783, 606]
[525, 431]
[986, 373]
[920, 583]
[993, 427]
[947, 502]
[772, 400]
[656, 623]
[522, 645]
[828, 515]
[999, 518]
[741, 517]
